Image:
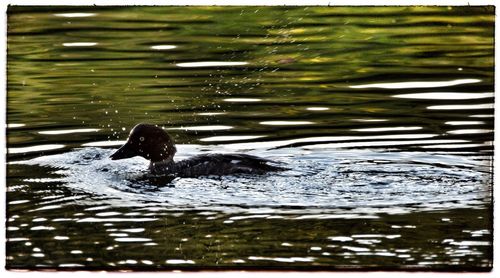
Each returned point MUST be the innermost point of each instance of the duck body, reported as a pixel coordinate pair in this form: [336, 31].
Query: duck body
[214, 164]
[153, 143]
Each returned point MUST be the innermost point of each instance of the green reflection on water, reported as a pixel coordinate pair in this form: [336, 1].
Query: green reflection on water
[295, 55]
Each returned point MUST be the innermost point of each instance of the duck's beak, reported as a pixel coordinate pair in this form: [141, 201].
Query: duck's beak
[126, 151]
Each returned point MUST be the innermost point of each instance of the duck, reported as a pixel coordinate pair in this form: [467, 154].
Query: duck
[155, 144]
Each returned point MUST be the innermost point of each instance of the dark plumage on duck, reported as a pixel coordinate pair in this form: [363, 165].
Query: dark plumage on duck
[154, 144]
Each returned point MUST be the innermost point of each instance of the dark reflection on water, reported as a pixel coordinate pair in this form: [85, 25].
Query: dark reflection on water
[384, 115]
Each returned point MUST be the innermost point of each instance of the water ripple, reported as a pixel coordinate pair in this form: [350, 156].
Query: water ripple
[396, 181]
[210, 64]
[68, 131]
[412, 85]
[445, 95]
[38, 148]
[461, 106]
[72, 15]
[79, 44]
[163, 47]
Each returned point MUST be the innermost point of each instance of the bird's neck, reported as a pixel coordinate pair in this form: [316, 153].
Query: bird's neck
[162, 166]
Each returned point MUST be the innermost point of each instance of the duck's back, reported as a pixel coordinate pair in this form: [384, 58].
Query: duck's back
[221, 164]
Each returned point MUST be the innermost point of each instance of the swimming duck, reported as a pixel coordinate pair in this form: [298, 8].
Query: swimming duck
[154, 144]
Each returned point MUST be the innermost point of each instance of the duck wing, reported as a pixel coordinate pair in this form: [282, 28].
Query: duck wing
[225, 164]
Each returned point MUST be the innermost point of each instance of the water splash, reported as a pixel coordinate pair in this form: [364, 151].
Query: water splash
[325, 181]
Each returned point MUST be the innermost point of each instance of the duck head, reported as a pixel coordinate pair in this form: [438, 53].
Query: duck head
[148, 141]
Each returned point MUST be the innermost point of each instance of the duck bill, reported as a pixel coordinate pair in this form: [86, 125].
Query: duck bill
[124, 152]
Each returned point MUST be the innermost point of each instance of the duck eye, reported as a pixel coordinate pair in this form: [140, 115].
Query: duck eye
[141, 139]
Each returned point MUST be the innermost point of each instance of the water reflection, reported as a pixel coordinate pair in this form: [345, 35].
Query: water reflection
[178, 261]
[114, 219]
[38, 148]
[13, 125]
[282, 260]
[382, 144]
[230, 138]
[211, 113]
[340, 238]
[201, 128]
[210, 64]
[369, 120]
[132, 239]
[312, 142]
[482, 116]
[104, 143]
[286, 123]
[242, 99]
[163, 47]
[75, 14]
[18, 202]
[317, 108]
[465, 123]
[454, 146]
[380, 129]
[445, 95]
[79, 44]
[469, 131]
[413, 85]
[68, 131]
[461, 106]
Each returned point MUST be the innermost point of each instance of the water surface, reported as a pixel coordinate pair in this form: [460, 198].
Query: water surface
[384, 116]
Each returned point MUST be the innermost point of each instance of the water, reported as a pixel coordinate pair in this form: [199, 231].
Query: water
[384, 116]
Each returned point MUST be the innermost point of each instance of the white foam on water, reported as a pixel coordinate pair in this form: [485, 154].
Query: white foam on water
[326, 180]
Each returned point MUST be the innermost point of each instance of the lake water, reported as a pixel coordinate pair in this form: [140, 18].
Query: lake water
[384, 116]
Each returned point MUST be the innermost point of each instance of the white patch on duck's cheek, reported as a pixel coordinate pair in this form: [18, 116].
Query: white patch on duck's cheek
[235, 161]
